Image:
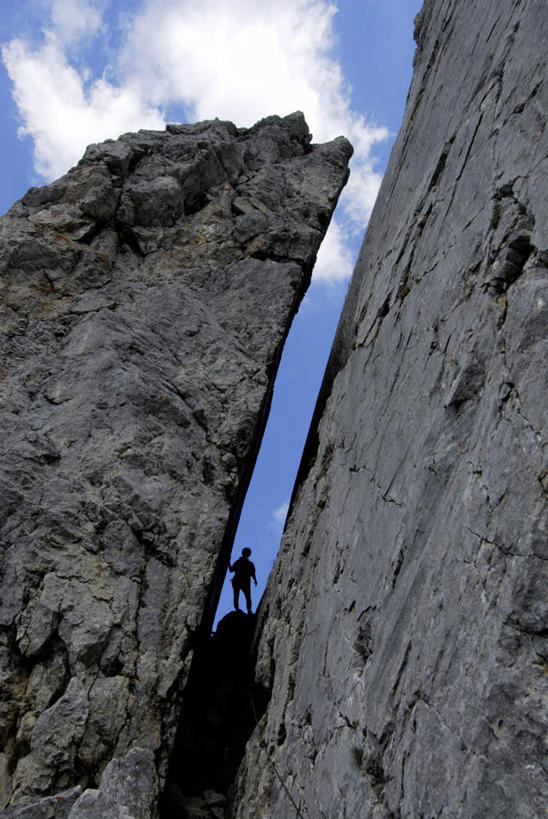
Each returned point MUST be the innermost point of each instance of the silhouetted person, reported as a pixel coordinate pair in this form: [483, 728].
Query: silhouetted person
[243, 570]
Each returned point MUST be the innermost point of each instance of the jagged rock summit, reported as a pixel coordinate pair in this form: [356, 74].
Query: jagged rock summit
[145, 298]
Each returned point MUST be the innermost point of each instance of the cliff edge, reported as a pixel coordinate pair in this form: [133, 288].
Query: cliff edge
[404, 628]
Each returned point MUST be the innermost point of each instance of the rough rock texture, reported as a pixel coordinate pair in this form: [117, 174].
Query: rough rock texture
[129, 788]
[50, 807]
[404, 629]
[144, 302]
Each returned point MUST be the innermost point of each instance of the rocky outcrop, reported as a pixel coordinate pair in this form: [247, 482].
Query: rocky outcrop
[144, 302]
[404, 628]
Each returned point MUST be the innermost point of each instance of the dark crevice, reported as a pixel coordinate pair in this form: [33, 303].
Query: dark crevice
[441, 165]
[135, 159]
[94, 229]
[196, 203]
[511, 264]
[219, 711]
[384, 309]
[127, 236]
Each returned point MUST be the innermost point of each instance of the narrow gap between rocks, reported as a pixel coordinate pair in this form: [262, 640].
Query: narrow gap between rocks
[296, 389]
[220, 711]
[220, 705]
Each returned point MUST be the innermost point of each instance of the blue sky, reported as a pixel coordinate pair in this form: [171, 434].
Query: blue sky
[80, 71]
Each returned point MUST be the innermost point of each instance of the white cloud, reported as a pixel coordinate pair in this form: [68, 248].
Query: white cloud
[278, 516]
[233, 59]
[240, 59]
[73, 19]
[59, 115]
[334, 262]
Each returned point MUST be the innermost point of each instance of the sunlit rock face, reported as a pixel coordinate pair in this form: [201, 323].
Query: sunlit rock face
[403, 631]
[144, 301]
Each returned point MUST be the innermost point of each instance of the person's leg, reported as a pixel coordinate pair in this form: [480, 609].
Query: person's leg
[247, 592]
[236, 596]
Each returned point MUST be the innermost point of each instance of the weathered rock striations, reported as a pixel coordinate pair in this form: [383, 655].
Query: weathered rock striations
[145, 298]
[404, 628]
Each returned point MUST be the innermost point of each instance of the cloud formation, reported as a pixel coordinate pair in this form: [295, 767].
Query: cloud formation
[235, 59]
[278, 516]
[74, 19]
[60, 114]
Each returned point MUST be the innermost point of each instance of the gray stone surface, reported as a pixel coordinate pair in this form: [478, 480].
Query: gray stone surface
[404, 629]
[144, 301]
[129, 789]
[50, 807]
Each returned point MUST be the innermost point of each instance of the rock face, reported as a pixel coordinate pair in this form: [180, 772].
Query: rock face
[404, 629]
[144, 302]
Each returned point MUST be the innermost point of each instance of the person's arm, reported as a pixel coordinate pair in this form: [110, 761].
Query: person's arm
[253, 573]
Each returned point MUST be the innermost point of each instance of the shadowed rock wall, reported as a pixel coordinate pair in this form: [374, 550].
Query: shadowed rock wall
[404, 627]
[144, 302]
[218, 716]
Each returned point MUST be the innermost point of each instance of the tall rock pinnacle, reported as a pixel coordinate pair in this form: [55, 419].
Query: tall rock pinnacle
[404, 628]
[145, 298]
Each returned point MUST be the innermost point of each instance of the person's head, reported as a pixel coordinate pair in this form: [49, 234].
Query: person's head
[246, 552]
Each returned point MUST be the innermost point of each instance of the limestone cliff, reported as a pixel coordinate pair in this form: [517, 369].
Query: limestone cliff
[144, 302]
[404, 628]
